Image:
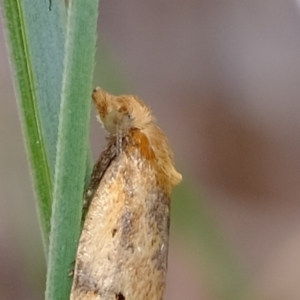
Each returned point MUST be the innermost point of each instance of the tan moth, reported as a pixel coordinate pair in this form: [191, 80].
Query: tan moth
[123, 248]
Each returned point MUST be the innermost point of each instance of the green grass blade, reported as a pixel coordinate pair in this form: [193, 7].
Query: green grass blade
[72, 146]
[45, 30]
[30, 87]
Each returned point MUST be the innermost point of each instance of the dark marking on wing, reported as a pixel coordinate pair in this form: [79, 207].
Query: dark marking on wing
[120, 296]
[107, 156]
[126, 221]
[86, 283]
[126, 225]
[160, 210]
[114, 231]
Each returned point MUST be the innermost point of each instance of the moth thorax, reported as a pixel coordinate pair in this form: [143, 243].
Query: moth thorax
[116, 122]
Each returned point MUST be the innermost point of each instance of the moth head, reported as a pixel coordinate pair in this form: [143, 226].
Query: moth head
[121, 113]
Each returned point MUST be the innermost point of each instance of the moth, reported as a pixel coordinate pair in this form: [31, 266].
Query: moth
[123, 248]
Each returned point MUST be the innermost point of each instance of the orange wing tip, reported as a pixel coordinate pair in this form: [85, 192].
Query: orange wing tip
[176, 177]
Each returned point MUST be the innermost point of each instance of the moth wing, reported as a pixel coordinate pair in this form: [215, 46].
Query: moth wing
[107, 156]
[122, 252]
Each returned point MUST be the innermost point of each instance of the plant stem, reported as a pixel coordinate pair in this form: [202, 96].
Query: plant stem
[72, 146]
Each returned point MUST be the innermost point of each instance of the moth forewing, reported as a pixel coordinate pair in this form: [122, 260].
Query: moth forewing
[122, 252]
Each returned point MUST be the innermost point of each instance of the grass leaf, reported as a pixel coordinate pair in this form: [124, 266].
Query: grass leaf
[35, 39]
[72, 145]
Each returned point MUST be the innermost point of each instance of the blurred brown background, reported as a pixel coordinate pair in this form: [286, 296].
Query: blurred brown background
[223, 79]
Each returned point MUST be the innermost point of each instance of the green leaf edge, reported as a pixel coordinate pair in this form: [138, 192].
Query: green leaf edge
[30, 121]
[45, 31]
